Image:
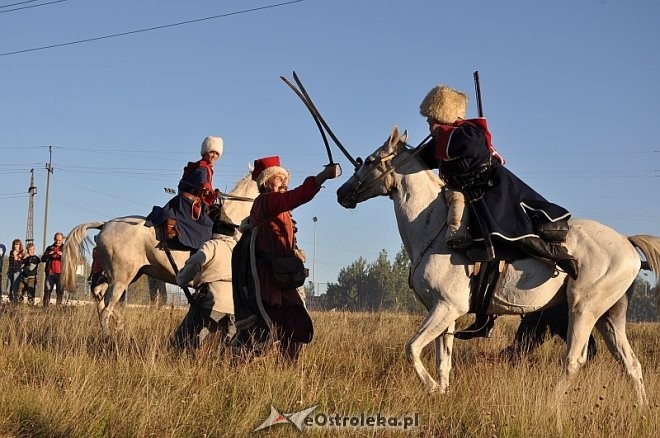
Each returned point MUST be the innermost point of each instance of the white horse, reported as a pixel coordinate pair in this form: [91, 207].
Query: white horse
[126, 249]
[608, 264]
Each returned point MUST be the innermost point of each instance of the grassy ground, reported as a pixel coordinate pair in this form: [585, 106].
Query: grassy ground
[59, 377]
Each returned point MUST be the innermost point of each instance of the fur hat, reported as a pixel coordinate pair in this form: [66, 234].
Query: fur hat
[211, 144]
[265, 168]
[444, 104]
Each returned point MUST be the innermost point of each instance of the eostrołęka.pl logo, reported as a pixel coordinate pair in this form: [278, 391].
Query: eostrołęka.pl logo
[307, 419]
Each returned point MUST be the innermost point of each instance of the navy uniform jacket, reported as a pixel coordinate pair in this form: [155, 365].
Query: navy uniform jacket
[504, 202]
[193, 224]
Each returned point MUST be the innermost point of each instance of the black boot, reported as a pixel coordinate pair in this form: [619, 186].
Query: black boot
[554, 252]
[480, 328]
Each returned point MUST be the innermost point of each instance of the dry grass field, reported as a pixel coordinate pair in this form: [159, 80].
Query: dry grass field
[60, 378]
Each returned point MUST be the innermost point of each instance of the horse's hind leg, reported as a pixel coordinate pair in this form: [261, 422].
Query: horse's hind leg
[579, 329]
[112, 296]
[435, 323]
[612, 325]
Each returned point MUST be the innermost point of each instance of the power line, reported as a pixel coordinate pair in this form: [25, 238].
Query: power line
[149, 29]
[28, 7]
[16, 4]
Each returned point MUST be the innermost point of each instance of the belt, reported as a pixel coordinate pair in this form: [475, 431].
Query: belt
[189, 196]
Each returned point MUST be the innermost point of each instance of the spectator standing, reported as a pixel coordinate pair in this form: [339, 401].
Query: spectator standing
[53, 259]
[27, 281]
[157, 292]
[14, 270]
[3, 250]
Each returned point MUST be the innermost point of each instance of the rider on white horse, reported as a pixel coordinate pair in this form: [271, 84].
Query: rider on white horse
[185, 215]
[506, 210]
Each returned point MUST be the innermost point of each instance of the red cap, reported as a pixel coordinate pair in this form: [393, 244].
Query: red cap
[262, 164]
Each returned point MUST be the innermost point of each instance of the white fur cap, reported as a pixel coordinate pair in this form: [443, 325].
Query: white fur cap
[211, 144]
[270, 172]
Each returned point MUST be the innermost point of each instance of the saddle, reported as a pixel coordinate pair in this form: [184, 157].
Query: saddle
[169, 244]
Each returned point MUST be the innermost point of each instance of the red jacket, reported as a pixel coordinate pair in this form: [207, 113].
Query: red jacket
[272, 213]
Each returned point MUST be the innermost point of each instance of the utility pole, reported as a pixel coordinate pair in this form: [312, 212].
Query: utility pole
[315, 219]
[49, 170]
[32, 190]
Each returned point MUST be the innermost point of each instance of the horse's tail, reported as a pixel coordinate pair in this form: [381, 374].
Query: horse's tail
[650, 247]
[72, 253]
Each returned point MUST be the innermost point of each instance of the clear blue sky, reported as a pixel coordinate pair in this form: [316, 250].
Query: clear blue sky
[570, 90]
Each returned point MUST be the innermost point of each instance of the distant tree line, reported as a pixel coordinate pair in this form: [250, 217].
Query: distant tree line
[383, 285]
[363, 286]
[642, 304]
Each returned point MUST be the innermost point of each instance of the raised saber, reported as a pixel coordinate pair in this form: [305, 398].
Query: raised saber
[341, 147]
[317, 116]
[301, 94]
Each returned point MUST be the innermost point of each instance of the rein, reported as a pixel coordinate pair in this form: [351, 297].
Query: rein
[434, 236]
[170, 258]
[389, 170]
[229, 197]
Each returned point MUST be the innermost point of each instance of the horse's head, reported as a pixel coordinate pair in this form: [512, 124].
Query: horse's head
[374, 176]
[238, 202]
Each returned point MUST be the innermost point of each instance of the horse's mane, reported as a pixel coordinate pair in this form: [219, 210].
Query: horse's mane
[244, 186]
[414, 154]
[237, 210]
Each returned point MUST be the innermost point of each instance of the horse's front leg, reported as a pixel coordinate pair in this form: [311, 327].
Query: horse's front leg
[436, 322]
[444, 345]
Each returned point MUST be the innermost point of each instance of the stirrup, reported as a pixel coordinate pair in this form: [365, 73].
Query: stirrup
[477, 329]
[458, 240]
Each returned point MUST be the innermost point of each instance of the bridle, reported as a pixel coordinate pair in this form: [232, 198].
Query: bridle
[387, 167]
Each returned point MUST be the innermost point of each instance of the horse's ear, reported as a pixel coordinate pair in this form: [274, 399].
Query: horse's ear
[250, 167]
[394, 138]
[404, 137]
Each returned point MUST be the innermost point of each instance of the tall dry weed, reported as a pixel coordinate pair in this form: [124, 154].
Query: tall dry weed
[60, 377]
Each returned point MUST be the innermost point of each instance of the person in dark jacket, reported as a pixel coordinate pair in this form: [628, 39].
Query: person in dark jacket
[3, 249]
[28, 278]
[16, 255]
[509, 213]
[184, 218]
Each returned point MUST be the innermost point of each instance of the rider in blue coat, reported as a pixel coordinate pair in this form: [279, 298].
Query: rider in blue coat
[509, 213]
[184, 217]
